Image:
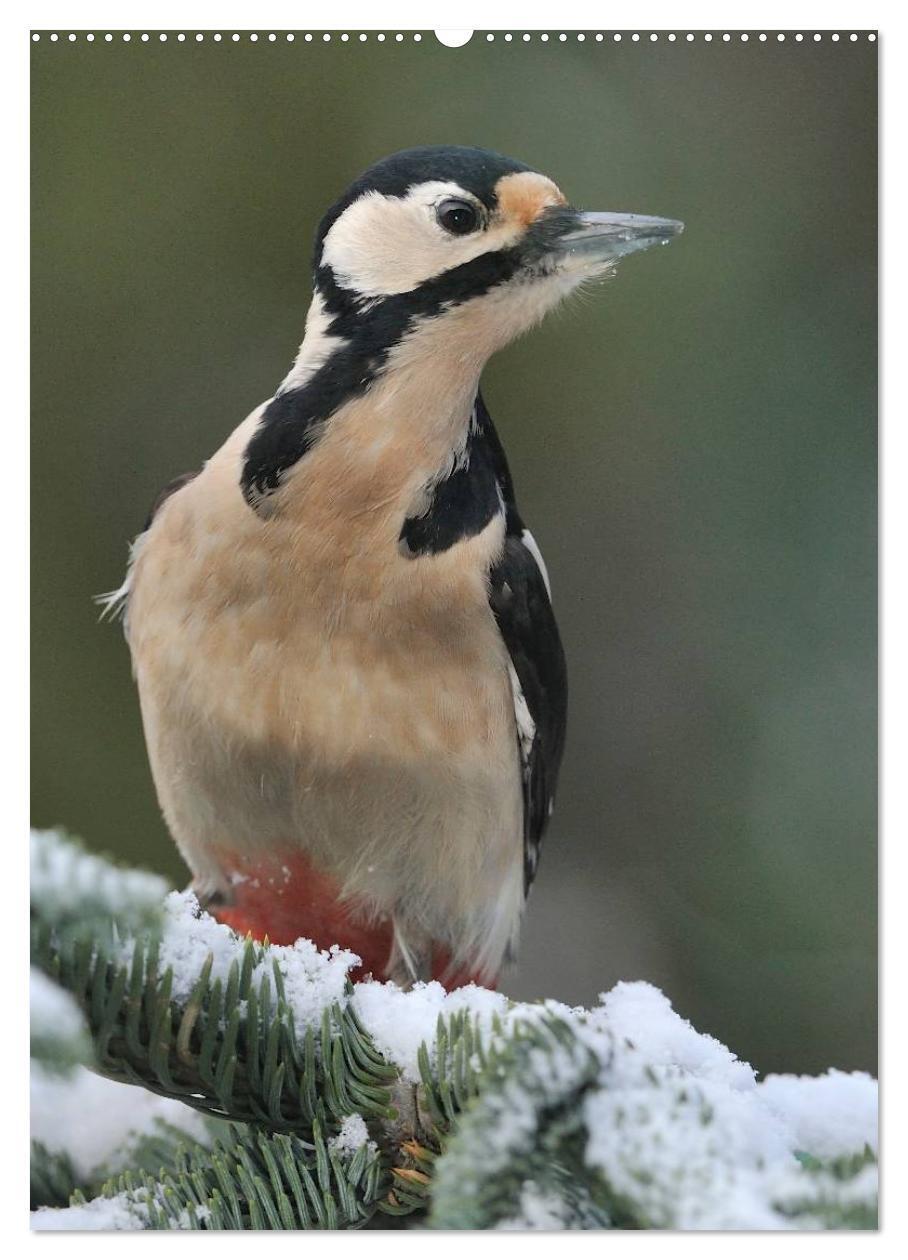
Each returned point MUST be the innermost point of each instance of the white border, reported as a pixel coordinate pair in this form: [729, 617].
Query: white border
[529, 16]
[284, 16]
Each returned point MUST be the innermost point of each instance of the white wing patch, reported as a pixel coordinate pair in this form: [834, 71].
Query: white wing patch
[533, 548]
[526, 727]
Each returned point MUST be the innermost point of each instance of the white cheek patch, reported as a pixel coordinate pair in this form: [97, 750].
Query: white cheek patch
[383, 245]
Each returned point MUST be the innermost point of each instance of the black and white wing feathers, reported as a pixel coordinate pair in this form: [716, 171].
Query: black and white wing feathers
[520, 600]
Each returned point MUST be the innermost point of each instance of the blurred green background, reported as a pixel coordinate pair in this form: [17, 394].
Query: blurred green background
[694, 445]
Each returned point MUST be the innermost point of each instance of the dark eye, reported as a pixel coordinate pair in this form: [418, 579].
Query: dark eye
[457, 217]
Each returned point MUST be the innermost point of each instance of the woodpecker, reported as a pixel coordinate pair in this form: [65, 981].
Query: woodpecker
[352, 685]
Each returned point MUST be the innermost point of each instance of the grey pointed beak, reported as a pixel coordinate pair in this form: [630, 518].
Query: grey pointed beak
[607, 236]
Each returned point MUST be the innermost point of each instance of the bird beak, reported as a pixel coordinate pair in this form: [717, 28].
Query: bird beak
[603, 237]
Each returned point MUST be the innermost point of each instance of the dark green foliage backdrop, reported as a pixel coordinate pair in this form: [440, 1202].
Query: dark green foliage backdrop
[694, 444]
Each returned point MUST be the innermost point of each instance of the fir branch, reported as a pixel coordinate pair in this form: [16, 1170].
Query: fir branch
[231, 1050]
[524, 1126]
[255, 1180]
[82, 894]
[534, 1117]
[59, 1034]
[836, 1194]
[52, 1176]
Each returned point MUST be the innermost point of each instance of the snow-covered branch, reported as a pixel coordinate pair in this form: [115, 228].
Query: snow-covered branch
[462, 1108]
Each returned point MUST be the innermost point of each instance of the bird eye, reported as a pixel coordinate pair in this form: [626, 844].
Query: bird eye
[457, 217]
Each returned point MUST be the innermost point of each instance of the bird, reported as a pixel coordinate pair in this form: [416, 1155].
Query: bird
[352, 685]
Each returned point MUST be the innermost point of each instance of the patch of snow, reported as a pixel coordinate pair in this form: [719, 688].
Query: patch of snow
[352, 1135]
[830, 1115]
[688, 1153]
[65, 878]
[791, 1191]
[189, 935]
[399, 1020]
[679, 1127]
[96, 1122]
[539, 1209]
[639, 1014]
[124, 1211]
[54, 1013]
[118, 1213]
[313, 978]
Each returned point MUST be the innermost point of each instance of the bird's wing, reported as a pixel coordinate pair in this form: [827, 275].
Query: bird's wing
[171, 488]
[521, 602]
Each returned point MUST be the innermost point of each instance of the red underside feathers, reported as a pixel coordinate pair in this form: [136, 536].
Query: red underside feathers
[288, 898]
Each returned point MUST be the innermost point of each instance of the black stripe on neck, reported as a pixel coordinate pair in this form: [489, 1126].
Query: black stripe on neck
[370, 329]
[291, 422]
[465, 501]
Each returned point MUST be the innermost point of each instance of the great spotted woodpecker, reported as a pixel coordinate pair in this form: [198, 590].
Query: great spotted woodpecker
[352, 684]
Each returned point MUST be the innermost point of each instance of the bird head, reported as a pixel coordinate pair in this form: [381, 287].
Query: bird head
[478, 244]
[432, 260]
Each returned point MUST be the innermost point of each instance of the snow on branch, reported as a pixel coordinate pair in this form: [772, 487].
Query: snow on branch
[464, 1109]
